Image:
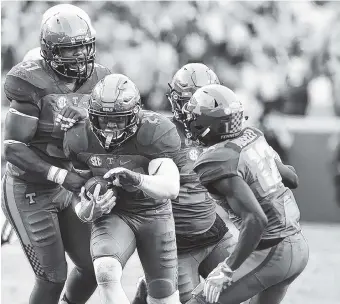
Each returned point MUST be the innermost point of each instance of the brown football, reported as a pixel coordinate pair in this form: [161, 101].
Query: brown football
[93, 182]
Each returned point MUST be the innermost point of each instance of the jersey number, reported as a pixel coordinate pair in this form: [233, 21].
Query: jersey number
[30, 65]
[262, 162]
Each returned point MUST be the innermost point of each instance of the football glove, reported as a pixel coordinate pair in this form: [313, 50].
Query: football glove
[216, 281]
[68, 116]
[89, 210]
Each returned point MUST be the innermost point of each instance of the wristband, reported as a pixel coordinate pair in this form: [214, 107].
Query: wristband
[56, 175]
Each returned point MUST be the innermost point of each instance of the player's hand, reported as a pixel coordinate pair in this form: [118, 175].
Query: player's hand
[123, 177]
[88, 210]
[216, 281]
[107, 201]
[68, 116]
[73, 182]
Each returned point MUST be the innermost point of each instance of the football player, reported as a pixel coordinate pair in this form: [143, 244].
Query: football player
[203, 240]
[243, 170]
[47, 96]
[133, 149]
[7, 232]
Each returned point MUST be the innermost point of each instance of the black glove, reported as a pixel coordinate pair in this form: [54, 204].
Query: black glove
[123, 177]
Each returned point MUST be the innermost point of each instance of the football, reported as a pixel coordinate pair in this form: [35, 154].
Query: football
[93, 182]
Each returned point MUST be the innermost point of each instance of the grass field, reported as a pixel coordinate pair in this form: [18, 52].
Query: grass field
[319, 283]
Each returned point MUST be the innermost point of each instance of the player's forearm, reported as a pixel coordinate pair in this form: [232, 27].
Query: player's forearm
[159, 186]
[250, 236]
[288, 174]
[24, 158]
[27, 160]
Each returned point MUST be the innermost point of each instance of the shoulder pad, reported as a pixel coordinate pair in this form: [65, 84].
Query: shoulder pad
[217, 162]
[26, 82]
[76, 139]
[101, 71]
[158, 133]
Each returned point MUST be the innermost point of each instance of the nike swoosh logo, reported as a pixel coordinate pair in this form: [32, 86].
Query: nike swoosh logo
[124, 162]
[157, 169]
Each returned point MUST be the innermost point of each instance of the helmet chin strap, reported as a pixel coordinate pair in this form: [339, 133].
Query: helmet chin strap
[205, 132]
[201, 137]
[108, 139]
[109, 135]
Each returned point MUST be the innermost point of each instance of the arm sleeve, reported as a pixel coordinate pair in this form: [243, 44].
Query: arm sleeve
[162, 181]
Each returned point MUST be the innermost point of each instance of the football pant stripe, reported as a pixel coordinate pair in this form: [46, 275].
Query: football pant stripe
[262, 259]
[14, 111]
[17, 224]
[11, 142]
[12, 210]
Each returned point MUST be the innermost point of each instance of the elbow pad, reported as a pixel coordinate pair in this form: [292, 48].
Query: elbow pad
[26, 130]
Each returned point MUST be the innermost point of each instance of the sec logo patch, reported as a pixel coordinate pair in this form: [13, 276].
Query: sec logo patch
[61, 102]
[96, 161]
[193, 154]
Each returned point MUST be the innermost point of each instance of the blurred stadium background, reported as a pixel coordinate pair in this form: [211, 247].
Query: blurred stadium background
[282, 58]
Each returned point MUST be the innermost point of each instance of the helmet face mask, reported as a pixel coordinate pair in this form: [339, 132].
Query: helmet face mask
[177, 100]
[184, 84]
[78, 67]
[68, 44]
[113, 110]
[113, 130]
[214, 114]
